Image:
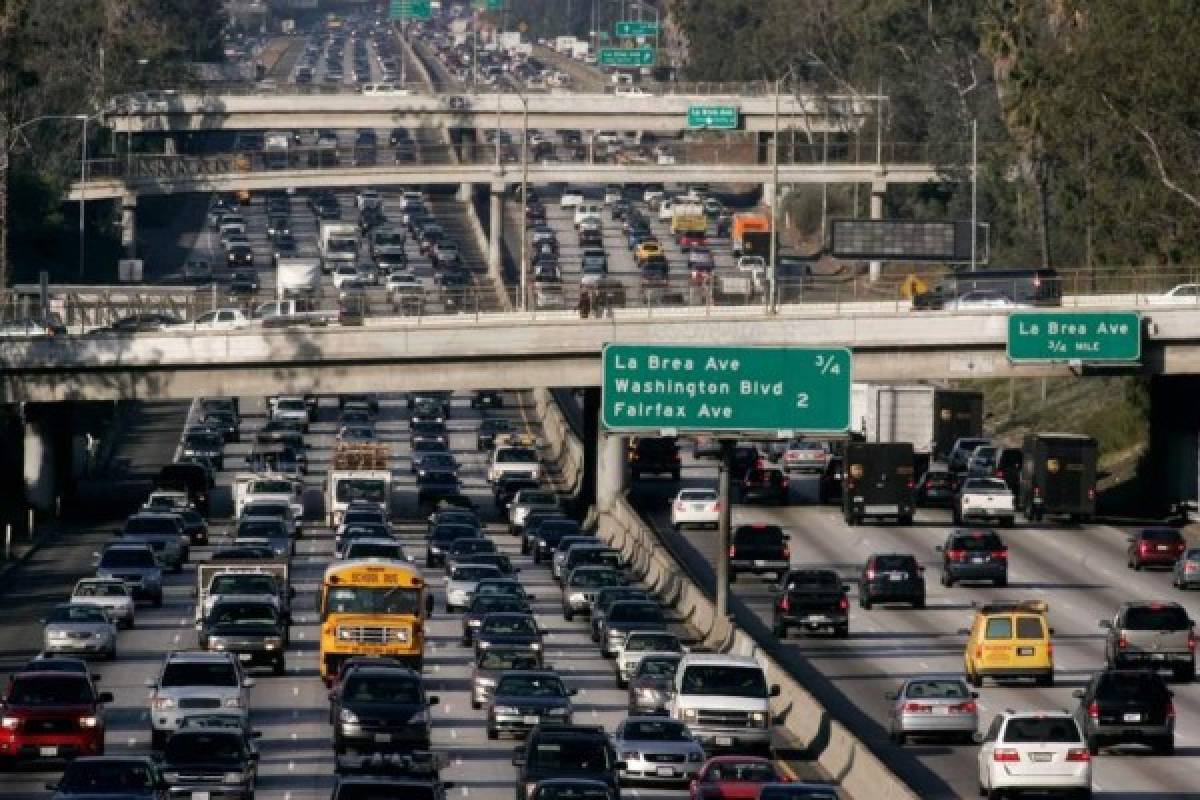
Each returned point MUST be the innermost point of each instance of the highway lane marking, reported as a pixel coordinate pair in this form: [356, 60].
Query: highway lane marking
[295, 690]
[786, 769]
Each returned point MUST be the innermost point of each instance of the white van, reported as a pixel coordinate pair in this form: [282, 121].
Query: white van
[724, 700]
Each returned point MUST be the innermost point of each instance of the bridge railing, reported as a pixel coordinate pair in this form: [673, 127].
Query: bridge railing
[737, 151]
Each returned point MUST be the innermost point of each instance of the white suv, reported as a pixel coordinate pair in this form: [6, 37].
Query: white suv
[196, 683]
[1034, 750]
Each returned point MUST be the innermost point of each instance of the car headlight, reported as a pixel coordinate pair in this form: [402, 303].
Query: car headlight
[488, 682]
[759, 718]
[344, 634]
[164, 703]
[530, 788]
[557, 712]
[696, 756]
[9, 723]
[233, 777]
[88, 722]
[234, 702]
[347, 717]
[272, 642]
[474, 623]
[689, 714]
[505, 710]
[648, 693]
[171, 777]
[420, 718]
[535, 645]
[542, 543]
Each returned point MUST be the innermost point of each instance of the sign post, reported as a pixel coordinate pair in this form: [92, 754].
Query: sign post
[722, 118]
[626, 57]
[1096, 337]
[728, 392]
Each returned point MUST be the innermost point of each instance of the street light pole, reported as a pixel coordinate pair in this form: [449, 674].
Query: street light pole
[774, 205]
[524, 198]
[82, 188]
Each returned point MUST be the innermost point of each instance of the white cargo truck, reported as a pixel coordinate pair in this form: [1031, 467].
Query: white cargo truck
[338, 244]
[298, 275]
[930, 417]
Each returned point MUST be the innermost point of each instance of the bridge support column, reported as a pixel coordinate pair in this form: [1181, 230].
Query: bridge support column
[129, 224]
[611, 479]
[38, 465]
[495, 229]
[878, 190]
[465, 192]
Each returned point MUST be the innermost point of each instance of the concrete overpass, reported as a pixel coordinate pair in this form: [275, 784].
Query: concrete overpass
[292, 109]
[521, 351]
[194, 175]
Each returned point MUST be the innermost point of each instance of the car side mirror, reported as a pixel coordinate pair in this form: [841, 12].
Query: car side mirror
[95, 677]
[572, 692]
[1077, 694]
[774, 587]
[775, 692]
[252, 755]
[938, 548]
[429, 605]
[291, 593]
[1106, 624]
[104, 697]
[921, 570]
[432, 700]
[977, 737]
[974, 695]
[248, 683]
[621, 765]
[890, 695]
[256, 734]
[845, 587]
[963, 632]
[199, 626]
[1051, 631]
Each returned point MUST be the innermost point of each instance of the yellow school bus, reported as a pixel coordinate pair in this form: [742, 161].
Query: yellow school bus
[372, 608]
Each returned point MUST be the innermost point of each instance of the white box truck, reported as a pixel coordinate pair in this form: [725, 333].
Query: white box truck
[931, 418]
[298, 275]
[338, 244]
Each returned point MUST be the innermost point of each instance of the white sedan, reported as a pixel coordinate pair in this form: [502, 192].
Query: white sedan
[981, 299]
[698, 507]
[1040, 751]
[1183, 294]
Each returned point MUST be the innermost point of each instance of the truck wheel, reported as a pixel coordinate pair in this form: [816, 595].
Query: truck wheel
[1045, 680]
[842, 632]
[947, 581]
[1185, 674]
[675, 475]
[732, 576]
[779, 630]
[280, 667]
[906, 519]
[864, 600]
[158, 739]
[1165, 746]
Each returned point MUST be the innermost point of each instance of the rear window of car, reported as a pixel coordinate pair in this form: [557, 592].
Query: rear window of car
[1041, 729]
[823, 579]
[1030, 628]
[977, 541]
[1162, 618]
[896, 562]
[575, 754]
[1161, 535]
[998, 628]
[937, 689]
[767, 534]
[1131, 686]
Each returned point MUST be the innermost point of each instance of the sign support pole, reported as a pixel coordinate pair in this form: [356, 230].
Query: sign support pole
[723, 525]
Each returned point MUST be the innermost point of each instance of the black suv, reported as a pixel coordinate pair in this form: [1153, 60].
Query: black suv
[251, 627]
[758, 549]
[566, 751]
[1120, 706]
[892, 578]
[654, 455]
[811, 599]
[974, 555]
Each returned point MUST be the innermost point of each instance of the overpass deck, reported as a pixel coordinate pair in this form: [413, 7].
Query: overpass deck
[523, 350]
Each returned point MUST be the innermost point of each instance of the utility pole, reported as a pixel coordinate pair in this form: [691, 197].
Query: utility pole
[974, 191]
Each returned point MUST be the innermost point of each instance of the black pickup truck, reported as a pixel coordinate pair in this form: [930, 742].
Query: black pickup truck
[758, 549]
[812, 599]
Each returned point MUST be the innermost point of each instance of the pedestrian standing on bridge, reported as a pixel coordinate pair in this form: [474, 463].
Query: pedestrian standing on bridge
[585, 304]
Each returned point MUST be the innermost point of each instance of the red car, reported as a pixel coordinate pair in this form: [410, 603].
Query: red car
[689, 239]
[734, 778]
[51, 715]
[1155, 547]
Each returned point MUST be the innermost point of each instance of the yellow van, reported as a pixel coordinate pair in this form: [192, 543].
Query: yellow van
[1008, 641]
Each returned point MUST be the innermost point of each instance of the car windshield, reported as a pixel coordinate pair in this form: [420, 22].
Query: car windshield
[362, 518]
[473, 572]
[122, 557]
[815, 578]
[107, 777]
[203, 748]
[977, 541]
[247, 614]
[567, 755]
[1157, 618]
[375, 550]
[101, 590]
[938, 690]
[144, 524]
[985, 485]
[399, 689]
[531, 686]
[473, 546]
[271, 487]
[199, 673]
[1035, 730]
[658, 667]
[362, 600]
[384, 791]
[634, 612]
[50, 690]
[291, 404]
[261, 509]
[717, 679]
[572, 791]
[664, 642]
[1161, 535]
[592, 578]
[657, 730]
[254, 528]
[697, 495]
[76, 613]
[770, 535]
[796, 793]
[498, 603]
[517, 455]
[895, 563]
[202, 441]
[748, 771]
[1131, 686]
[537, 498]
[523, 625]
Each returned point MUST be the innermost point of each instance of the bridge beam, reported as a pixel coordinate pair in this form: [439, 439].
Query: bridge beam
[495, 229]
[38, 468]
[878, 192]
[129, 224]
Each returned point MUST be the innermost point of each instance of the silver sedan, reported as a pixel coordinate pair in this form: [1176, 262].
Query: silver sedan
[657, 749]
[933, 707]
[79, 630]
[464, 577]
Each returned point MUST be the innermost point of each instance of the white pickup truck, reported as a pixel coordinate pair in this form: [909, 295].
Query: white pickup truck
[987, 500]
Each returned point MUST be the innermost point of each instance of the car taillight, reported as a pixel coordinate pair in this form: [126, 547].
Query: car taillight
[956, 555]
[843, 604]
[1079, 754]
[1049, 650]
[1091, 493]
[679, 506]
[850, 484]
[1094, 710]
[968, 707]
[1001, 555]
[1007, 754]
[918, 708]
[1122, 643]
[909, 485]
[870, 574]
[1191, 641]
[928, 484]
[999, 473]
[732, 551]
[1143, 547]
[717, 507]
[1037, 491]
[1190, 566]
[1170, 711]
[787, 552]
[785, 604]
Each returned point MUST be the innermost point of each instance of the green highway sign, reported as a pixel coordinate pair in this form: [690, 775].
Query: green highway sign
[724, 118]
[626, 57]
[1088, 336]
[488, 5]
[637, 28]
[410, 9]
[725, 389]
